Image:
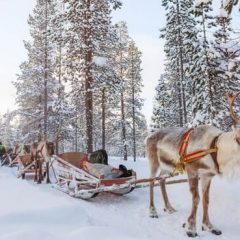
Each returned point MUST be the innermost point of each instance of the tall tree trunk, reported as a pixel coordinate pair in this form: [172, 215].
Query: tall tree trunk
[123, 123]
[179, 95]
[60, 95]
[103, 118]
[209, 73]
[182, 87]
[134, 122]
[76, 136]
[124, 139]
[45, 127]
[133, 106]
[88, 83]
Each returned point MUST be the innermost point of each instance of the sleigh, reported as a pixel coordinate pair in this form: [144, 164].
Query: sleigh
[26, 164]
[78, 182]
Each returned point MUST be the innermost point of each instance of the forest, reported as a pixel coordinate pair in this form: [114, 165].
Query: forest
[81, 83]
[202, 65]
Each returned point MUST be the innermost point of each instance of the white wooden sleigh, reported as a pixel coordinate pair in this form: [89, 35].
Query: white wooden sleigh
[77, 182]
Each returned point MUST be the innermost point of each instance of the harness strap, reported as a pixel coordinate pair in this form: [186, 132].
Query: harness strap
[191, 157]
[214, 154]
[198, 154]
[184, 142]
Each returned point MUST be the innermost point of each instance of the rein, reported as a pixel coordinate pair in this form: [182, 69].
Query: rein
[191, 157]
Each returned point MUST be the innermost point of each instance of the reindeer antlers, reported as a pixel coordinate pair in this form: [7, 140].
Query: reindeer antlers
[231, 98]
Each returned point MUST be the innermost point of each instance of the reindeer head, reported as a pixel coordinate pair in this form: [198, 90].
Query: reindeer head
[231, 99]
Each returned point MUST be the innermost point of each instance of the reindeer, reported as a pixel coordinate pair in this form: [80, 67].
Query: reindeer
[42, 152]
[203, 152]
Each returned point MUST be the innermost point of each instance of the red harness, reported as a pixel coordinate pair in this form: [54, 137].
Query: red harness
[188, 158]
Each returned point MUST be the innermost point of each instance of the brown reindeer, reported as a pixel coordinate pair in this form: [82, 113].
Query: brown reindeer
[42, 152]
[219, 155]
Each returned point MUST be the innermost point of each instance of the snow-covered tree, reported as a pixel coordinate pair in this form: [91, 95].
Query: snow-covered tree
[88, 27]
[226, 56]
[203, 107]
[121, 67]
[181, 48]
[163, 114]
[133, 100]
[36, 85]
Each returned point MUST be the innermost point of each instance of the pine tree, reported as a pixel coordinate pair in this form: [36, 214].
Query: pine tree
[162, 110]
[9, 135]
[36, 85]
[134, 89]
[226, 53]
[89, 24]
[107, 84]
[122, 33]
[203, 90]
[179, 49]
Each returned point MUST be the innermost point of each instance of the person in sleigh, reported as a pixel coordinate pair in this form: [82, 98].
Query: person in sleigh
[97, 165]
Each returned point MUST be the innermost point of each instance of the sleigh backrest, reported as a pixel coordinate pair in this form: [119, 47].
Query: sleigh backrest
[74, 158]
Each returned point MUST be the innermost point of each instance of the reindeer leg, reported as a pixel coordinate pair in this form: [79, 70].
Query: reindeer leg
[39, 172]
[36, 170]
[47, 170]
[168, 207]
[191, 222]
[152, 209]
[206, 224]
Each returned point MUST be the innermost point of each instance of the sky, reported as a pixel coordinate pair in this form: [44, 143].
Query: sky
[143, 20]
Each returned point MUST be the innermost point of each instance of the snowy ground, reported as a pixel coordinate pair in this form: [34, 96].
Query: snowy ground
[38, 212]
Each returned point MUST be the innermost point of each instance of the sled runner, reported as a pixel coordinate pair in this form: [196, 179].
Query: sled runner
[77, 177]
[12, 157]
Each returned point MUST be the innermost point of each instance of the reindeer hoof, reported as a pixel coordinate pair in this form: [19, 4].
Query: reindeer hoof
[169, 210]
[192, 234]
[212, 230]
[153, 213]
[216, 232]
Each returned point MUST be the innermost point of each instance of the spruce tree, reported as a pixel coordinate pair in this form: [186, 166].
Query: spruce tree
[163, 112]
[226, 54]
[134, 89]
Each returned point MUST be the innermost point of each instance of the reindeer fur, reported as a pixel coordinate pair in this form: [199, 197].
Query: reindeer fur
[162, 151]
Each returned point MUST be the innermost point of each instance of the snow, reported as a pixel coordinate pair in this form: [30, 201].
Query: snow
[29, 211]
[100, 61]
[223, 13]
[231, 65]
[92, 7]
